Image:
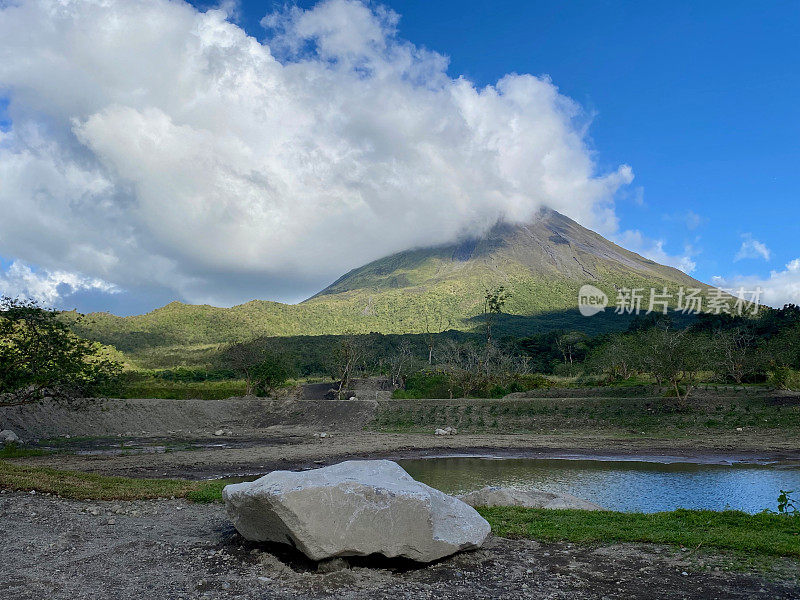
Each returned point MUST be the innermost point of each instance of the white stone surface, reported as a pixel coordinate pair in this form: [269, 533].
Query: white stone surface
[354, 508]
[500, 496]
[446, 431]
[7, 437]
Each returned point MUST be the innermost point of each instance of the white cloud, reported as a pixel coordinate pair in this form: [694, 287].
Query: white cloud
[634, 240]
[752, 248]
[155, 145]
[20, 280]
[781, 287]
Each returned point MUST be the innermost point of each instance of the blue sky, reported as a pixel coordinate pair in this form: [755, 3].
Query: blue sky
[700, 99]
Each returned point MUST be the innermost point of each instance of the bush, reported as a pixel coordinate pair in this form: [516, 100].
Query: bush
[438, 384]
[269, 375]
[783, 378]
[426, 384]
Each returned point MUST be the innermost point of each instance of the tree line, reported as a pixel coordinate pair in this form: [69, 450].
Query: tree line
[660, 349]
[41, 357]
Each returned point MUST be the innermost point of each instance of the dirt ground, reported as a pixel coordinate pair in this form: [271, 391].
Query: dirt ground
[175, 438]
[54, 548]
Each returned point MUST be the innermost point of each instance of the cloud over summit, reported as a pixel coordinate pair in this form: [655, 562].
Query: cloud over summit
[153, 145]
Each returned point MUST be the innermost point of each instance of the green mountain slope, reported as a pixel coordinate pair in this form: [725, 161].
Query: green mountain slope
[543, 263]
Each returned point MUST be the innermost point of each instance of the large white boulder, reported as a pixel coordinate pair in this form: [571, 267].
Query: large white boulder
[501, 496]
[7, 437]
[355, 508]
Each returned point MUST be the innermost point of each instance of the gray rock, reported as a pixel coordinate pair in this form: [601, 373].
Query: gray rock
[355, 508]
[446, 431]
[500, 496]
[8, 437]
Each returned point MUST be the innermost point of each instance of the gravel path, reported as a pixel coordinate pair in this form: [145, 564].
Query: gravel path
[54, 548]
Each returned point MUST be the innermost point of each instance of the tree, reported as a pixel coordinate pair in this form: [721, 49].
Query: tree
[269, 374]
[493, 303]
[400, 362]
[462, 364]
[781, 354]
[472, 369]
[570, 343]
[40, 356]
[261, 368]
[351, 355]
[671, 356]
[617, 357]
[242, 358]
[542, 350]
[734, 355]
[431, 330]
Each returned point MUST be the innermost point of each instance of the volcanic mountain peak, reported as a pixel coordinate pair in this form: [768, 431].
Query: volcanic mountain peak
[550, 247]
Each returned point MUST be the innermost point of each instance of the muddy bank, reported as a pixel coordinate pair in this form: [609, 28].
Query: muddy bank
[292, 448]
[60, 549]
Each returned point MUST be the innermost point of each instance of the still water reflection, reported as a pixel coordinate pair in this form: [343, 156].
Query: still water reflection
[618, 485]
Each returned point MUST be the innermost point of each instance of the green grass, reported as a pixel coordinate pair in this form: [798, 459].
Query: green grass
[764, 533]
[13, 450]
[180, 390]
[90, 486]
[207, 491]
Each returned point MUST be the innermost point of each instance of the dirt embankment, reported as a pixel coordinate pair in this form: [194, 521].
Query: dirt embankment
[159, 438]
[72, 550]
[190, 418]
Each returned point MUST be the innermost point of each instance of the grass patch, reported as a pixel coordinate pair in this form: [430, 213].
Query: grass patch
[89, 486]
[764, 533]
[13, 450]
[154, 387]
[206, 492]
